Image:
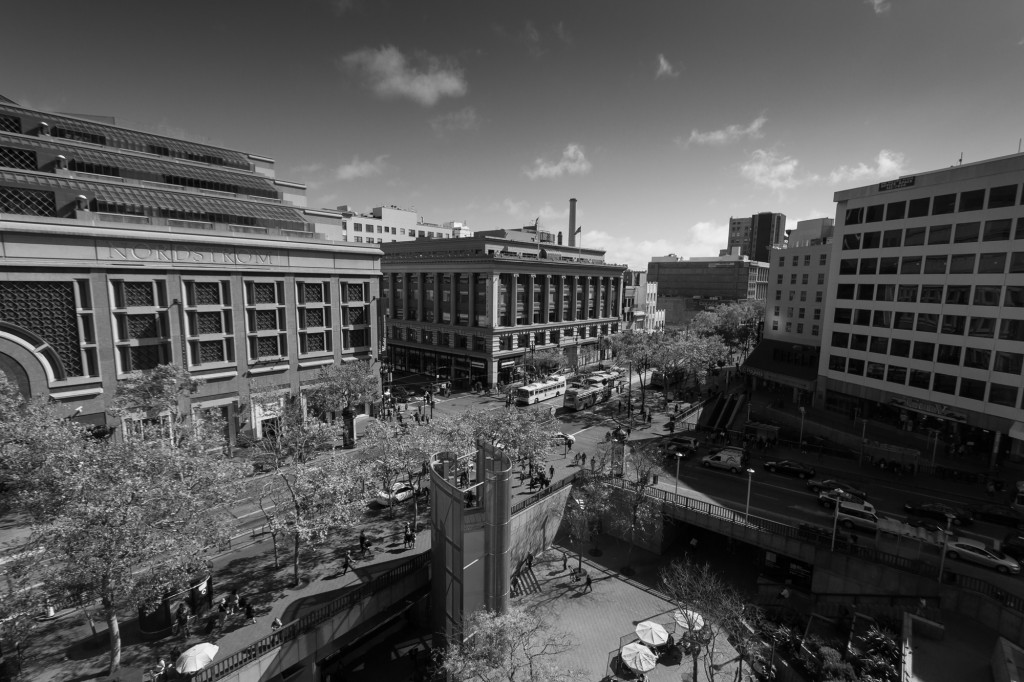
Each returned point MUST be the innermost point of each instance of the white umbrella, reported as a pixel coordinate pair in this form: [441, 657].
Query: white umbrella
[196, 658]
[638, 657]
[651, 633]
[688, 620]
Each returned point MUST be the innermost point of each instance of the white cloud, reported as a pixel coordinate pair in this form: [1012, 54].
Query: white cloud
[700, 239]
[773, 170]
[388, 74]
[359, 168]
[573, 162]
[888, 164]
[665, 68]
[307, 169]
[880, 6]
[532, 37]
[729, 133]
[454, 121]
[563, 34]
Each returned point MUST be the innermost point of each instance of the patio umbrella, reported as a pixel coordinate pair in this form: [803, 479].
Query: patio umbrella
[638, 657]
[651, 633]
[196, 658]
[688, 620]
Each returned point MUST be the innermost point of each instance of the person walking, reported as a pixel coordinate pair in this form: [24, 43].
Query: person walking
[583, 459]
[529, 561]
[565, 561]
[233, 602]
[250, 612]
[589, 586]
[551, 473]
[363, 543]
[346, 562]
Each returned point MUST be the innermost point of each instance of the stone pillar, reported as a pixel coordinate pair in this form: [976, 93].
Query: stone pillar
[471, 298]
[531, 282]
[421, 304]
[493, 288]
[437, 297]
[572, 281]
[453, 303]
[545, 299]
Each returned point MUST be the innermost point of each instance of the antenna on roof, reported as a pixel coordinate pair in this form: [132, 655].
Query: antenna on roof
[961, 159]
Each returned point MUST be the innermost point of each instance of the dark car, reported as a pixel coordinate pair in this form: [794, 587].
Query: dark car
[684, 445]
[1013, 545]
[939, 512]
[789, 468]
[400, 394]
[1004, 515]
[816, 485]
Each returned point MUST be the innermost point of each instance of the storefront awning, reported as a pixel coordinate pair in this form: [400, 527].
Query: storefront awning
[1017, 430]
[786, 363]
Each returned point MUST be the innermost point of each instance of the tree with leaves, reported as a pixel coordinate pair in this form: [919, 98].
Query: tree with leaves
[711, 610]
[295, 437]
[588, 502]
[156, 402]
[638, 512]
[340, 386]
[641, 350]
[739, 323]
[544, 362]
[516, 646]
[395, 452]
[687, 356]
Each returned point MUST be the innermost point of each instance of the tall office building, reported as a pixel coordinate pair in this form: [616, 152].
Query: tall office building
[925, 323]
[121, 250]
[756, 236]
[686, 286]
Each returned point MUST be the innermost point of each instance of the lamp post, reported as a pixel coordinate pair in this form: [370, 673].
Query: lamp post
[750, 480]
[945, 539]
[533, 361]
[679, 456]
[803, 411]
[835, 519]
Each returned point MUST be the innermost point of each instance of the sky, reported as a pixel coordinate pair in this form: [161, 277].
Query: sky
[662, 119]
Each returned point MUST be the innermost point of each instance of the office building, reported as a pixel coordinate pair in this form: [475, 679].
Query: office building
[788, 355]
[688, 286]
[640, 309]
[756, 236]
[471, 309]
[925, 320]
[383, 224]
[121, 250]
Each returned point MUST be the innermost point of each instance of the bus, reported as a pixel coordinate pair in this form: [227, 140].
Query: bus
[601, 378]
[580, 398]
[540, 390]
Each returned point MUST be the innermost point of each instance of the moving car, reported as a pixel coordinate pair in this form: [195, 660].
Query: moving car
[857, 514]
[400, 492]
[730, 459]
[1013, 545]
[939, 511]
[829, 498]
[818, 485]
[564, 438]
[790, 468]
[966, 549]
[686, 445]
[1003, 514]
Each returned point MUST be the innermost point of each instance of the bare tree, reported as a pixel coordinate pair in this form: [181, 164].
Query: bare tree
[516, 646]
[710, 609]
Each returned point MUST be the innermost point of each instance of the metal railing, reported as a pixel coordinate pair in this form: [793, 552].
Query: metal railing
[538, 496]
[296, 628]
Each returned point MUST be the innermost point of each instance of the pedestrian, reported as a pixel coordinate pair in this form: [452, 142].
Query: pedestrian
[346, 562]
[417, 416]
[160, 670]
[276, 624]
[551, 473]
[363, 542]
[250, 612]
[233, 602]
[529, 561]
[565, 560]
[583, 459]
[650, 417]
[589, 587]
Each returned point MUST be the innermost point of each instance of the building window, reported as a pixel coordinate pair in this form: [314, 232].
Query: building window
[858, 342]
[313, 308]
[799, 328]
[778, 279]
[896, 375]
[821, 278]
[935, 265]
[837, 363]
[903, 320]
[890, 265]
[943, 204]
[948, 354]
[925, 350]
[982, 327]
[910, 265]
[1014, 297]
[815, 330]
[842, 315]
[822, 259]
[987, 295]
[907, 293]
[876, 370]
[792, 295]
[266, 320]
[967, 233]
[972, 389]
[899, 348]
[892, 239]
[141, 331]
[977, 358]
[1001, 197]
[1000, 394]
[1011, 330]
[939, 234]
[954, 324]
[855, 366]
[879, 344]
[27, 202]
[778, 294]
[957, 295]
[209, 322]
[928, 323]
[944, 383]
[789, 326]
[792, 278]
[974, 200]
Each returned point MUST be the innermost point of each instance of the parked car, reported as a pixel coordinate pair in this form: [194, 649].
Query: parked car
[400, 492]
[966, 549]
[939, 512]
[732, 460]
[685, 445]
[790, 468]
[817, 485]
[1002, 514]
[857, 515]
[400, 394]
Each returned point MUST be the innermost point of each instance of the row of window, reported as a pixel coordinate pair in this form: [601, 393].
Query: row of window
[1010, 296]
[975, 389]
[505, 341]
[976, 358]
[822, 260]
[815, 329]
[962, 233]
[801, 311]
[387, 229]
[932, 323]
[818, 295]
[994, 263]
[942, 204]
[805, 279]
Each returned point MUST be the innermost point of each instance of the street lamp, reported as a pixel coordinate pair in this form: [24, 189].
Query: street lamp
[945, 539]
[803, 411]
[750, 480]
[679, 456]
[835, 519]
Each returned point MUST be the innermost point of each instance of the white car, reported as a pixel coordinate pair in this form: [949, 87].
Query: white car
[400, 492]
[972, 550]
[564, 438]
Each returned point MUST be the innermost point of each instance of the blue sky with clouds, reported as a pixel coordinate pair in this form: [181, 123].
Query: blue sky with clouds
[662, 118]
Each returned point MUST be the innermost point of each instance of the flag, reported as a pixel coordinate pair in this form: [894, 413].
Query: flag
[578, 230]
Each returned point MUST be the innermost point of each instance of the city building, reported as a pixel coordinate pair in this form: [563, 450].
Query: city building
[788, 354]
[382, 224]
[121, 250]
[471, 309]
[756, 236]
[688, 286]
[924, 326]
[640, 309]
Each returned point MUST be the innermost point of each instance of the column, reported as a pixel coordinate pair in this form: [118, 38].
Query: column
[545, 299]
[420, 304]
[572, 296]
[599, 298]
[530, 283]
[437, 297]
[453, 302]
[492, 298]
[471, 303]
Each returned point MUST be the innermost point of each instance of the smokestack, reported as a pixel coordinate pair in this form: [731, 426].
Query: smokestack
[559, 238]
[572, 222]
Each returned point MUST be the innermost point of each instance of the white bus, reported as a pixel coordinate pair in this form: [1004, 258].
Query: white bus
[579, 398]
[601, 378]
[540, 390]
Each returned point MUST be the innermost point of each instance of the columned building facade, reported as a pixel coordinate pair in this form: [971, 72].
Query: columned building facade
[470, 310]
